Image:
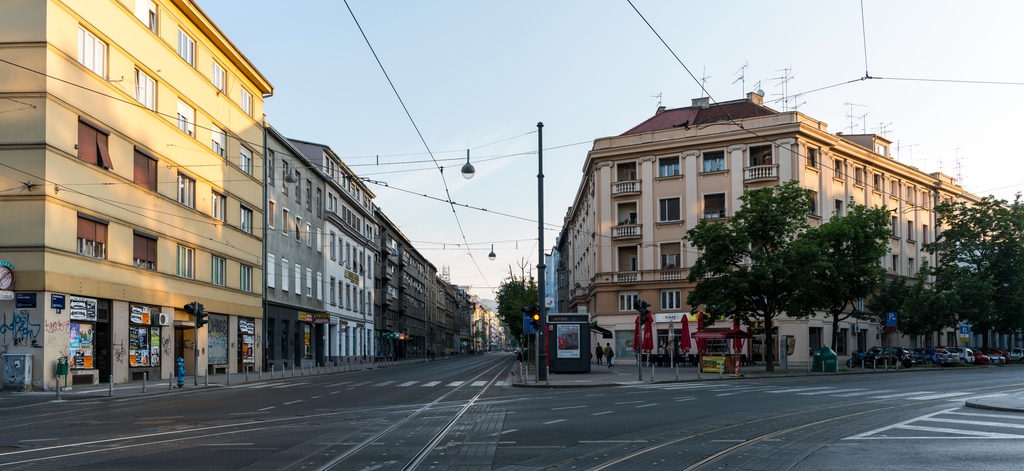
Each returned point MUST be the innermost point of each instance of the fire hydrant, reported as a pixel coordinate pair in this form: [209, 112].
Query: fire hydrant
[181, 372]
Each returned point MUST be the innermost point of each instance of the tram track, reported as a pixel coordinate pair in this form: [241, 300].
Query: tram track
[710, 462]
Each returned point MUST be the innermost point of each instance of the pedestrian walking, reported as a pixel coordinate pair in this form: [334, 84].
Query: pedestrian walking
[599, 351]
[610, 354]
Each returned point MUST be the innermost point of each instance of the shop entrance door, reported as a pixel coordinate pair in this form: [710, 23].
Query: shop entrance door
[103, 351]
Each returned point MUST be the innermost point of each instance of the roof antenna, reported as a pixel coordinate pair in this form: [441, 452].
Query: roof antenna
[658, 96]
[851, 115]
[743, 77]
[704, 82]
[784, 83]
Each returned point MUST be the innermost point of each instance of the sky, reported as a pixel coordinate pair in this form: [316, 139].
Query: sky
[481, 75]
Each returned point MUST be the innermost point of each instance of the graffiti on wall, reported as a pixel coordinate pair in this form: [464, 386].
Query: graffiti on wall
[19, 329]
[120, 351]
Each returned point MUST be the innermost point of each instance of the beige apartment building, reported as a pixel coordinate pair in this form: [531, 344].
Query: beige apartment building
[642, 190]
[131, 170]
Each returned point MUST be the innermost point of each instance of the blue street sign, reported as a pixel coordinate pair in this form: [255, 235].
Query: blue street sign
[527, 326]
[890, 319]
[965, 330]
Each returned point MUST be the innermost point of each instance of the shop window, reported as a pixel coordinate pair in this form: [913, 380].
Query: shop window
[92, 237]
[247, 341]
[144, 250]
[814, 338]
[217, 340]
[145, 169]
[841, 341]
[92, 144]
[143, 337]
[82, 348]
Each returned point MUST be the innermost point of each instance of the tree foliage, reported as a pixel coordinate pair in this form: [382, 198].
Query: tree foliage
[980, 267]
[842, 258]
[514, 294]
[747, 265]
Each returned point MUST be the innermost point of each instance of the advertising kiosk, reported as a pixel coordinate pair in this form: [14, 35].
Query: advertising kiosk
[568, 343]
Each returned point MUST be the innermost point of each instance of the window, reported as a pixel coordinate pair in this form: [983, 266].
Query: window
[319, 203]
[298, 228]
[896, 264]
[298, 279]
[319, 240]
[145, 89]
[270, 167]
[285, 171]
[185, 262]
[319, 282]
[334, 293]
[813, 207]
[332, 203]
[670, 256]
[218, 266]
[309, 195]
[668, 210]
[219, 204]
[760, 155]
[186, 119]
[714, 206]
[910, 230]
[92, 53]
[893, 187]
[840, 168]
[839, 208]
[92, 237]
[144, 251]
[298, 189]
[145, 169]
[271, 270]
[245, 160]
[219, 78]
[626, 300]
[285, 221]
[331, 242]
[284, 275]
[246, 102]
[877, 182]
[895, 227]
[858, 176]
[668, 167]
[186, 190]
[92, 144]
[841, 341]
[671, 300]
[245, 278]
[271, 211]
[245, 220]
[145, 11]
[910, 267]
[218, 141]
[309, 235]
[924, 233]
[186, 48]
[714, 161]
[812, 157]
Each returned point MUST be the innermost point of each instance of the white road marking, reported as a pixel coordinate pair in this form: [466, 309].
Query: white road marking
[865, 393]
[830, 392]
[629, 402]
[554, 421]
[504, 432]
[974, 422]
[383, 384]
[293, 402]
[938, 396]
[455, 384]
[684, 399]
[903, 394]
[282, 386]
[780, 391]
[967, 434]
[478, 383]
[431, 384]
[407, 384]
[646, 405]
[569, 407]
[335, 392]
[266, 408]
[246, 413]
[603, 413]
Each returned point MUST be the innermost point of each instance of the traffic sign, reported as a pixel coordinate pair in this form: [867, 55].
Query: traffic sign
[527, 325]
[965, 333]
[890, 321]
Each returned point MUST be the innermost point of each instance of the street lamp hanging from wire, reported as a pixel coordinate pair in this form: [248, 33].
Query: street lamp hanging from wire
[468, 170]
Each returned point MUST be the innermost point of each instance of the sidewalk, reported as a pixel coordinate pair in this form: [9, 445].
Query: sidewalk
[102, 392]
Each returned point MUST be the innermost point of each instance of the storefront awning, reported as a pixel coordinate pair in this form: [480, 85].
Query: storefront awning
[708, 334]
[605, 333]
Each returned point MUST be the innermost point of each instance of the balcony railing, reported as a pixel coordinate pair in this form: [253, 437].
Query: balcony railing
[626, 231]
[626, 187]
[668, 275]
[627, 277]
[761, 172]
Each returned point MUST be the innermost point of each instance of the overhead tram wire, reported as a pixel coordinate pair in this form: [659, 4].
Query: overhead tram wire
[420, 134]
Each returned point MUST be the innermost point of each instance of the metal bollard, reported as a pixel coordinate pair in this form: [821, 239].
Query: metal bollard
[110, 387]
[272, 368]
[170, 382]
[58, 388]
[228, 374]
[144, 376]
[206, 379]
[246, 374]
[261, 374]
[293, 369]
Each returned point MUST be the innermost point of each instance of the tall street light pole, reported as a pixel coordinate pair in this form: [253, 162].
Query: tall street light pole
[542, 355]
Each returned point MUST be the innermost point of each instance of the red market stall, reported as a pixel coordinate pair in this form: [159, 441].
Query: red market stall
[721, 363]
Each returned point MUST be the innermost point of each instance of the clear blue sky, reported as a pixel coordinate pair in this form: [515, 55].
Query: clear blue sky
[473, 73]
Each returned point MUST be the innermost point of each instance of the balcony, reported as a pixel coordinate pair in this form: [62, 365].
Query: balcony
[760, 173]
[627, 277]
[671, 274]
[626, 231]
[628, 187]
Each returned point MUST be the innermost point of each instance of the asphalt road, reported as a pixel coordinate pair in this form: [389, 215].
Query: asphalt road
[464, 414]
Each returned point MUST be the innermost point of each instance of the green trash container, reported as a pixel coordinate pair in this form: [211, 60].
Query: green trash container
[825, 361]
[62, 370]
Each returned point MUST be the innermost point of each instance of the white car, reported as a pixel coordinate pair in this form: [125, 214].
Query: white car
[1017, 354]
[959, 351]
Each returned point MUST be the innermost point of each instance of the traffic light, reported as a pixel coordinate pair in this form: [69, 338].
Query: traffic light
[190, 308]
[201, 316]
[641, 306]
[533, 313]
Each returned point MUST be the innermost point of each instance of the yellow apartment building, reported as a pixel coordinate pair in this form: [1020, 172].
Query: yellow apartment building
[131, 184]
[644, 189]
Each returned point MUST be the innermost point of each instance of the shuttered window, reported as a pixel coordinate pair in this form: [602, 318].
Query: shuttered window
[92, 144]
[145, 169]
[92, 237]
[144, 251]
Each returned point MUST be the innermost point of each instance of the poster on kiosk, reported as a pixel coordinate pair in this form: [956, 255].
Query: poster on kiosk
[568, 342]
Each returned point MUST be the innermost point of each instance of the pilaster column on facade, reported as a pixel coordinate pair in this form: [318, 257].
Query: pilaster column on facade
[735, 168]
[692, 203]
[649, 204]
[787, 159]
[606, 216]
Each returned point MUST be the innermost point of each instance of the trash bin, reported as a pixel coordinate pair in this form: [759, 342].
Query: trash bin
[825, 361]
[62, 366]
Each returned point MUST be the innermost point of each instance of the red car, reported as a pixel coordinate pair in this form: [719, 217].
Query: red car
[981, 358]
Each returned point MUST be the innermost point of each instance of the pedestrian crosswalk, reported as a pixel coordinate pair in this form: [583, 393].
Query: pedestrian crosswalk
[372, 384]
[719, 389]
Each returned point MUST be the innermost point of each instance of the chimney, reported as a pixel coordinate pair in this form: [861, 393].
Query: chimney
[755, 98]
[661, 109]
[702, 102]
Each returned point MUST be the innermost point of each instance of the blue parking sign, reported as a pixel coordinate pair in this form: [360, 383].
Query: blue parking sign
[965, 330]
[527, 326]
[890, 319]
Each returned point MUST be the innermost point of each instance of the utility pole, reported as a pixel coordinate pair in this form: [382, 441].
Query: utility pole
[542, 355]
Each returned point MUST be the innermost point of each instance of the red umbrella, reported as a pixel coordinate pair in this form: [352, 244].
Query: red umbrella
[737, 343]
[636, 336]
[648, 333]
[684, 342]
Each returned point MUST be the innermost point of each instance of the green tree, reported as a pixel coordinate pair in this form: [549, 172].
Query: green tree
[843, 261]
[747, 266]
[514, 294]
[980, 266]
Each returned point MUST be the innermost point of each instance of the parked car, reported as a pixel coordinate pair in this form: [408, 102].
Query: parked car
[1017, 354]
[981, 359]
[891, 356]
[998, 356]
[941, 357]
[965, 355]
